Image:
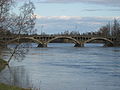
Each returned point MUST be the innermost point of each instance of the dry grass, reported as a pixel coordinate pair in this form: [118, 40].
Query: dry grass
[2, 64]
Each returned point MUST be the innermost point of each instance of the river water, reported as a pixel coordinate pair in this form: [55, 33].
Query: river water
[64, 67]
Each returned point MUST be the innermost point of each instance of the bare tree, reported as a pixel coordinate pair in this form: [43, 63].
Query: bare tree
[115, 28]
[5, 6]
[104, 31]
[22, 24]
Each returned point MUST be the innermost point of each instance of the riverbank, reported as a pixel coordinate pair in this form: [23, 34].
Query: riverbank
[3, 64]
[8, 87]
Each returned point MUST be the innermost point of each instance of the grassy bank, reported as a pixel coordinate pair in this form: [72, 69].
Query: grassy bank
[8, 87]
[3, 63]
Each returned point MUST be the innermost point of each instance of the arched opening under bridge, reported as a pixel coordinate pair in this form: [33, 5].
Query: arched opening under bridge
[24, 40]
[72, 40]
[2, 44]
[100, 40]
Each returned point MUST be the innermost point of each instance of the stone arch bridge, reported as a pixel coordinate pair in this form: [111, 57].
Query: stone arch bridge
[43, 41]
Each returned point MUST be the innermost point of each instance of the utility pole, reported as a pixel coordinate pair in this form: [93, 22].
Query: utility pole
[41, 29]
[110, 31]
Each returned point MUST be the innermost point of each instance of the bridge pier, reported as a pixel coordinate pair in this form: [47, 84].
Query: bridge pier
[42, 45]
[108, 44]
[116, 44]
[79, 45]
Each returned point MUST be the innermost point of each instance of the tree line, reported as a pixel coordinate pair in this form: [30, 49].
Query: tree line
[110, 29]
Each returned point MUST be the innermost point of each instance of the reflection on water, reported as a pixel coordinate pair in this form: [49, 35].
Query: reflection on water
[17, 76]
[64, 67]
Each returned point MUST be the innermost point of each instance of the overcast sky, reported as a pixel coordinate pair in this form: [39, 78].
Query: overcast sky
[55, 16]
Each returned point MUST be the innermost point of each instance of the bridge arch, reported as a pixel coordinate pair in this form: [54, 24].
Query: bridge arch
[64, 37]
[99, 38]
[28, 38]
[2, 44]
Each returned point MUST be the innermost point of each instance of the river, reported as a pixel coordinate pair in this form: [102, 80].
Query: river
[64, 67]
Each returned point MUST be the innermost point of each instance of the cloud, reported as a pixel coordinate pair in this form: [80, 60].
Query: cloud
[92, 10]
[104, 2]
[57, 24]
[58, 17]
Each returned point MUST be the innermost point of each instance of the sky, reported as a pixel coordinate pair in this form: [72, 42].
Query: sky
[55, 16]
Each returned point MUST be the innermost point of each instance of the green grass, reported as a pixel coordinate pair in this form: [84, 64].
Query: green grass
[8, 87]
[3, 62]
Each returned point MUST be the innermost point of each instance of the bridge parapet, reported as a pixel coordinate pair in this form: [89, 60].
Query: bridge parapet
[42, 41]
